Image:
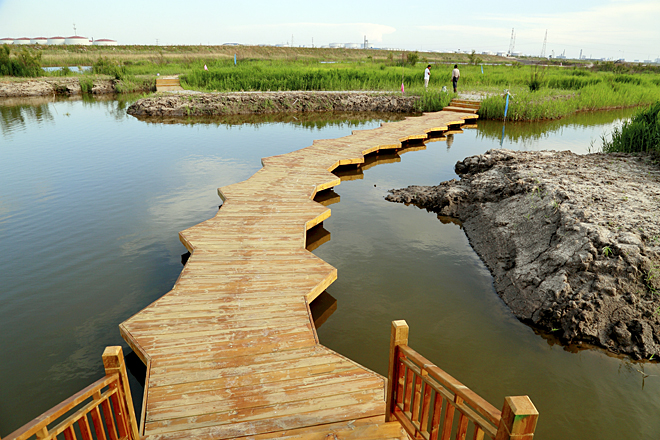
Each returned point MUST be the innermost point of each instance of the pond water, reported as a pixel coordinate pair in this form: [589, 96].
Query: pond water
[91, 201]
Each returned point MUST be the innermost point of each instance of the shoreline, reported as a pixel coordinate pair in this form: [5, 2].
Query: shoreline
[572, 241]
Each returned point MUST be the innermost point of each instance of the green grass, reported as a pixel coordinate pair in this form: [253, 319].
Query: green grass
[640, 134]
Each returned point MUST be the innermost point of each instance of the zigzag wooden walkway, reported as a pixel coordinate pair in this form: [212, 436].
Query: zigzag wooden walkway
[231, 350]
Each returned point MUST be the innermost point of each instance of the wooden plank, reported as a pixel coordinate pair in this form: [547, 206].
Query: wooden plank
[265, 413]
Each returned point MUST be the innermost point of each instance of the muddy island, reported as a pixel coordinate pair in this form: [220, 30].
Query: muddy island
[210, 104]
[572, 241]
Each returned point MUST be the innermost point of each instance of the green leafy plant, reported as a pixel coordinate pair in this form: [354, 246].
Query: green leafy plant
[607, 251]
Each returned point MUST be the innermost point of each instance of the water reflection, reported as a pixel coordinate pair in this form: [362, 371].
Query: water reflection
[15, 114]
[308, 120]
[528, 133]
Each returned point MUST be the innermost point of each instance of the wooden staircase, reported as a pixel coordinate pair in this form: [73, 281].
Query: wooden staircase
[168, 84]
[463, 106]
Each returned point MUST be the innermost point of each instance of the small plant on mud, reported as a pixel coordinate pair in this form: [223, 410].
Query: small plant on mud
[86, 84]
[555, 205]
[606, 251]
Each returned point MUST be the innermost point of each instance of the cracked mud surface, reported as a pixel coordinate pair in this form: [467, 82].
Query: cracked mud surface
[572, 241]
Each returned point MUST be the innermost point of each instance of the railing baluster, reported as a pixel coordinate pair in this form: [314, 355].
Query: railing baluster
[417, 401]
[400, 384]
[437, 414]
[119, 413]
[426, 407]
[69, 433]
[85, 429]
[97, 422]
[461, 431]
[408, 392]
[448, 422]
[109, 421]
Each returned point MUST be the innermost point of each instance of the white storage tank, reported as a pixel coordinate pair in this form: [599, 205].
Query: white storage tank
[105, 42]
[77, 40]
[6, 41]
[38, 40]
[22, 41]
[352, 46]
[56, 40]
[336, 45]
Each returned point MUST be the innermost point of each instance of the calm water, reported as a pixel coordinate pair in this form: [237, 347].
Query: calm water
[91, 201]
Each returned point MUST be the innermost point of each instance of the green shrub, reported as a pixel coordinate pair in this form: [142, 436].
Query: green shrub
[23, 64]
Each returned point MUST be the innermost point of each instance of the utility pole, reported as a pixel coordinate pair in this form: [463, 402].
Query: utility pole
[545, 40]
[156, 41]
[74, 30]
[291, 40]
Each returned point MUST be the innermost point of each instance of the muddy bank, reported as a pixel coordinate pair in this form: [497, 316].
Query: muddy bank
[63, 86]
[209, 104]
[572, 241]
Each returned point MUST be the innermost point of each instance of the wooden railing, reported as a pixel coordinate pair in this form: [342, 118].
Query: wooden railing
[102, 411]
[432, 405]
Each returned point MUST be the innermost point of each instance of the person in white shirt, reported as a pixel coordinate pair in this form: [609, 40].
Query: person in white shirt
[427, 76]
[455, 74]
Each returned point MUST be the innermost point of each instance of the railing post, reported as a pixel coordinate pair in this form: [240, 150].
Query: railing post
[113, 361]
[519, 417]
[399, 337]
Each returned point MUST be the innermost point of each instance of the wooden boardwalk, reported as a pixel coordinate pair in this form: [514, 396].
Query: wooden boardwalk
[231, 350]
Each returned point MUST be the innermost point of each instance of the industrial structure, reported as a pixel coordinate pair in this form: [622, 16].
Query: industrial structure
[76, 40]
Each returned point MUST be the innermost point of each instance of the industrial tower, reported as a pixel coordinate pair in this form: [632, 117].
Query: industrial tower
[512, 44]
[545, 40]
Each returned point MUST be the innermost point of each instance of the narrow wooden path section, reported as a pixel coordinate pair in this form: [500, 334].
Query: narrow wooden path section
[231, 351]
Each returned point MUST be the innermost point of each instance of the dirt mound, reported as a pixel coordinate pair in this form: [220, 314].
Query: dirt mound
[572, 241]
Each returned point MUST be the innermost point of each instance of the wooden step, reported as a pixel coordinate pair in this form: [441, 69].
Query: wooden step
[168, 84]
[460, 109]
[347, 431]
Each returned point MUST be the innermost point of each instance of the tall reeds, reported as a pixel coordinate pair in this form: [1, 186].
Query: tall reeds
[640, 134]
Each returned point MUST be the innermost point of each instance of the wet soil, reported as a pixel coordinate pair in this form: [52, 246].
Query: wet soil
[572, 241]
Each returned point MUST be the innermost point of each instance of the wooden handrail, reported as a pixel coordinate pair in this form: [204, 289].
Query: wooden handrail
[425, 400]
[111, 411]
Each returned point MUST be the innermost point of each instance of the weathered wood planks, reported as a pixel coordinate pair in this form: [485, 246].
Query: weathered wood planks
[232, 350]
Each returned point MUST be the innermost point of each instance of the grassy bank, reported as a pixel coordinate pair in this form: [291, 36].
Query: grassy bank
[640, 134]
[538, 92]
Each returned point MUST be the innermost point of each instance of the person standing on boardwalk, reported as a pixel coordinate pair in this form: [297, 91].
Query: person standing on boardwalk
[455, 74]
[427, 76]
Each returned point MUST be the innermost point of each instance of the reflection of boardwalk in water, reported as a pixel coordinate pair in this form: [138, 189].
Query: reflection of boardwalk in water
[232, 349]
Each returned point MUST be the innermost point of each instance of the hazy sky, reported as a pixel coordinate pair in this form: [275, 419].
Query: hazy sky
[601, 28]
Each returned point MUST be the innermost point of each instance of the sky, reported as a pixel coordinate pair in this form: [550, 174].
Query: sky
[614, 29]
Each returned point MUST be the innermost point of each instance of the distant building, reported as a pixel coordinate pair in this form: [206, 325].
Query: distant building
[22, 41]
[6, 41]
[77, 40]
[501, 54]
[336, 45]
[352, 46]
[38, 40]
[55, 41]
[104, 42]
